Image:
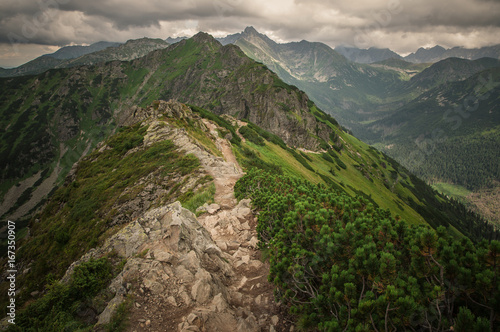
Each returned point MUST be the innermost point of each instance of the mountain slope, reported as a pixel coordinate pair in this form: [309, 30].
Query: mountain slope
[451, 132]
[376, 105]
[72, 56]
[71, 110]
[450, 70]
[370, 55]
[129, 231]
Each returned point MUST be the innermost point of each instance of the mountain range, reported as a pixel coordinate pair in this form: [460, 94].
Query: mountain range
[70, 56]
[367, 98]
[122, 171]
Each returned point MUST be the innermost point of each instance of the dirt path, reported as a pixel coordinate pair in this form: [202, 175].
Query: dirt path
[224, 177]
[231, 295]
[233, 228]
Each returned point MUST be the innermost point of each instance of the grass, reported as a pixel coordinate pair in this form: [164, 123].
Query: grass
[342, 171]
[195, 200]
[451, 190]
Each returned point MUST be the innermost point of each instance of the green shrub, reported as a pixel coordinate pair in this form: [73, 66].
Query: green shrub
[251, 135]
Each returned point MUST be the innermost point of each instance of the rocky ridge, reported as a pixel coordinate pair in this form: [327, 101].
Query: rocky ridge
[186, 273]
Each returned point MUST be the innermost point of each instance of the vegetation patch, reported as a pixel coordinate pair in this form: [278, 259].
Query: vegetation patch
[57, 309]
[340, 263]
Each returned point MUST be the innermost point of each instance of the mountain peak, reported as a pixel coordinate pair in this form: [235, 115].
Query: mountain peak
[250, 30]
[203, 37]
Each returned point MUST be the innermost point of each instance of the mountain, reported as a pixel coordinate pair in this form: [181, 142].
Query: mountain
[374, 101]
[407, 69]
[71, 52]
[426, 54]
[449, 133]
[71, 56]
[230, 39]
[49, 61]
[171, 40]
[130, 231]
[132, 49]
[438, 53]
[450, 70]
[342, 88]
[370, 55]
[71, 110]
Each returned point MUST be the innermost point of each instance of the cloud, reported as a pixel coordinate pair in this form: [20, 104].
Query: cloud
[402, 25]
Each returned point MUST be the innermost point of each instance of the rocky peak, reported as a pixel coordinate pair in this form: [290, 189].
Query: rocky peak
[250, 31]
[205, 38]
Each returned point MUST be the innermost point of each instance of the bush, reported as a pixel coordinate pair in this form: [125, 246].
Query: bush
[251, 135]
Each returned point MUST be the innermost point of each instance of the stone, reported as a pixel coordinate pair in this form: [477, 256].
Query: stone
[155, 287]
[148, 322]
[219, 303]
[212, 208]
[253, 242]
[109, 311]
[221, 244]
[233, 245]
[201, 291]
[172, 301]
[162, 256]
[275, 320]
[255, 264]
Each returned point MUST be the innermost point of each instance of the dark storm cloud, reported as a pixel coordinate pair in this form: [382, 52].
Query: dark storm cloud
[403, 25]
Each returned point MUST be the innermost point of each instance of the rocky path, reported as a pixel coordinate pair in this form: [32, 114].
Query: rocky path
[194, 274]
[233, 228]
[183, 273]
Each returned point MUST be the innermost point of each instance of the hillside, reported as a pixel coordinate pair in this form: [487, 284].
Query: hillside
[449, 70]
[145, 222]
[70, 110]
[454, 142]
[132, 49]
[395, 102]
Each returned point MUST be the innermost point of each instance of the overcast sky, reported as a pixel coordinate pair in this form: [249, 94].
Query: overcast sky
[29, 28]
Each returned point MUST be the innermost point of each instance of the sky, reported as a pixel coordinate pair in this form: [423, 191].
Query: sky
[30, 28]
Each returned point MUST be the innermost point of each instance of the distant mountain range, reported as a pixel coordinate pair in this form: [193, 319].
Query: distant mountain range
[71, 56]
[438, 53]
[370, 55]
